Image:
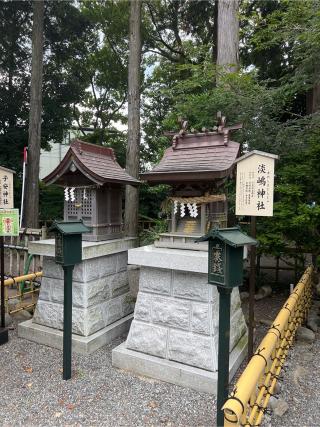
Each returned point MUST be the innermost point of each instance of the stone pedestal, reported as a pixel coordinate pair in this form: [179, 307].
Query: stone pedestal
[174, 334]
[102, 302]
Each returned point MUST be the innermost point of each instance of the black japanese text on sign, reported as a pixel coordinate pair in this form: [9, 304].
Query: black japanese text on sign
[6, 188]
[255, 181]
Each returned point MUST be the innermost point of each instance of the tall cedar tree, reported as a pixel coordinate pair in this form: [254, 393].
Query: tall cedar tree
[31, 218]
[132, 160]
[228, 35]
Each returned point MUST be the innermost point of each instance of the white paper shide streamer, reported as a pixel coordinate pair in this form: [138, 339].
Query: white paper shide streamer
[175, 207]
[69, 194]
[192, 208]
[66, 194]
[182, 210]
[72, 195]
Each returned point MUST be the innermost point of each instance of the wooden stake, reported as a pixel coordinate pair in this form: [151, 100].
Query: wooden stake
[3, 330]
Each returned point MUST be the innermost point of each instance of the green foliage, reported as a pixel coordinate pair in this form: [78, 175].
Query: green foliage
[106, 68]
[85, 80]
[151, 199]
[147, 237]
[111, 138]
[51, 203]
[67, 41]
[14, 80]
[280, 41]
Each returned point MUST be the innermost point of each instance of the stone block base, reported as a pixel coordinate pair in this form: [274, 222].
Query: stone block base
[174, 372]
[83, 345]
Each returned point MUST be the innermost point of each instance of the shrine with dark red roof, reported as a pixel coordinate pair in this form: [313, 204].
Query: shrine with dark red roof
[93, 182]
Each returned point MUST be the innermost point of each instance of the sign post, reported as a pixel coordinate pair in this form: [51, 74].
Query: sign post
[225, 270]
[68, 252]
[3, 330]
[254, 197]
[252, 286]
[8, 227]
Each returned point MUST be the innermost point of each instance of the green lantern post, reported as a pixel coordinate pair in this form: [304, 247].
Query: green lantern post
[68, 252]
[225, 270]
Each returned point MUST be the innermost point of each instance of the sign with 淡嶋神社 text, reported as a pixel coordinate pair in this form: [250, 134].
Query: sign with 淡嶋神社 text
[6, 188]
[255, 184]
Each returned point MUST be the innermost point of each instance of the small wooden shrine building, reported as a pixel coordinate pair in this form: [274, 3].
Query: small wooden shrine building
[93, 183]
[196, 166]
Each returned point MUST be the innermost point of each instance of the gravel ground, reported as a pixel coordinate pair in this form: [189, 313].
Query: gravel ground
[299, 388]
[33, 392]
[300, 385]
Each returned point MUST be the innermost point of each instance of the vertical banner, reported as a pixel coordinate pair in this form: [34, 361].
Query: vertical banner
[255, 184]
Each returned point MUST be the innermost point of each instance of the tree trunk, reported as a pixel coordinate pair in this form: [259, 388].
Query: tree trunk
[34, 141]
[132, 160]
[313, 95]
[313, 99]
[228, 35]
[215, 33]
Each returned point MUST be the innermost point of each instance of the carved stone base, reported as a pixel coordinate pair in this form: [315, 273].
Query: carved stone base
[176, 316]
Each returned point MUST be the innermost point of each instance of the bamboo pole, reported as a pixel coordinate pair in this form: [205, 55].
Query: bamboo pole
[19, 279]
[265, 365]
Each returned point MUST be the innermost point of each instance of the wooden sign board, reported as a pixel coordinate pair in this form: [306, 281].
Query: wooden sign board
[255, 184]
[6, 188]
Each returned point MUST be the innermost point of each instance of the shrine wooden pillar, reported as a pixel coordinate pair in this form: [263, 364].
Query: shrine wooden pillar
[203, 218]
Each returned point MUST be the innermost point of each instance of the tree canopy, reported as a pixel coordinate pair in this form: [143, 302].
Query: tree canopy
[275, 93]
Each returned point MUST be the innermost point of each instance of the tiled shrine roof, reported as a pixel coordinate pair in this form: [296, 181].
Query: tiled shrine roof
[196, 157]
[96, 162]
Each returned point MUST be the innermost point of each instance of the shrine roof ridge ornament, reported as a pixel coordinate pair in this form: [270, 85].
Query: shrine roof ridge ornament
[213, 134]
[95, 162]
[233, 236]
[197, 156]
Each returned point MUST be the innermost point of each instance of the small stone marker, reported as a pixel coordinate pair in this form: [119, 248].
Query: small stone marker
[279, 406]
[305, 335]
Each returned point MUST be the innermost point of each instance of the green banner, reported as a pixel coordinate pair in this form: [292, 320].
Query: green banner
[9, 222]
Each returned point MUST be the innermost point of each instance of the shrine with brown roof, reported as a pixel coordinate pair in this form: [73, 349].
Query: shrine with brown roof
[93, 182]
[96, 164]
[196, 166]
[201, 156]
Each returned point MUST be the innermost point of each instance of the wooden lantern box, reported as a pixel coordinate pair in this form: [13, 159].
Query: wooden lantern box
[93, 184]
